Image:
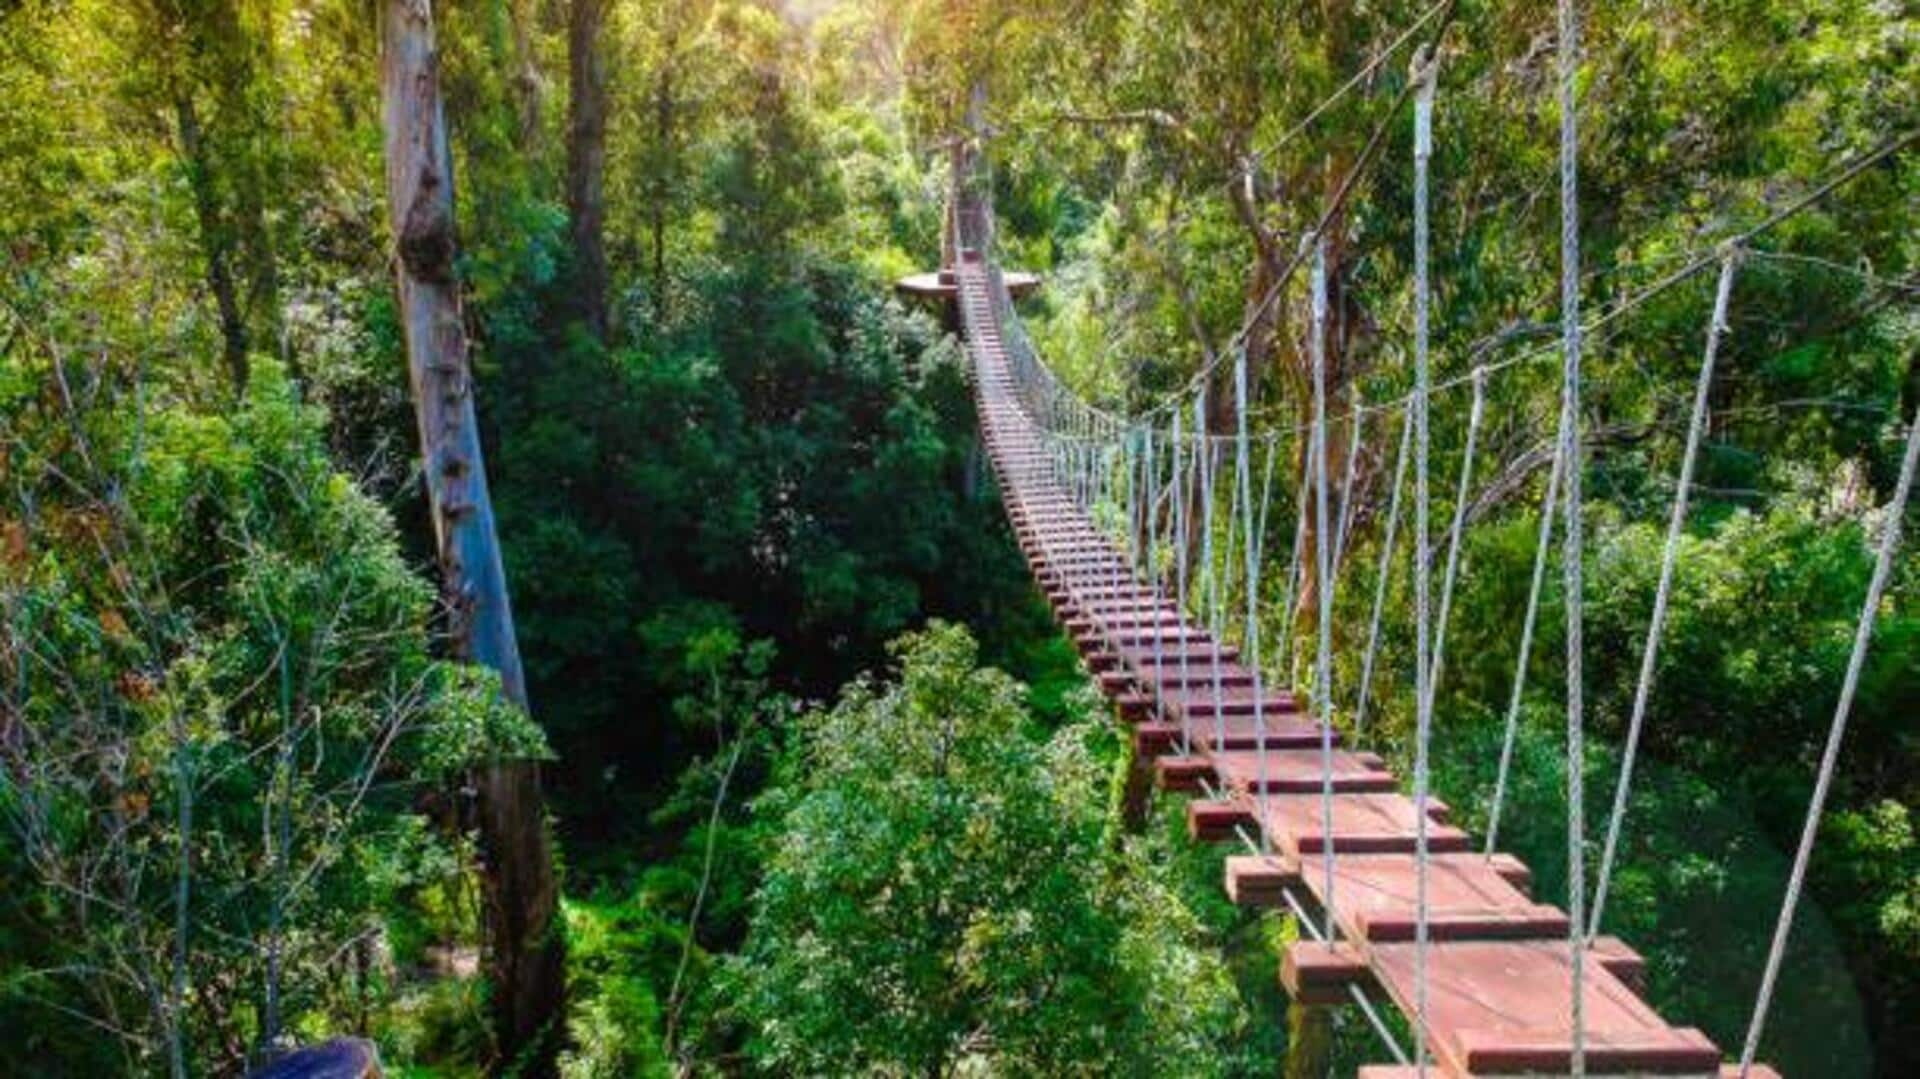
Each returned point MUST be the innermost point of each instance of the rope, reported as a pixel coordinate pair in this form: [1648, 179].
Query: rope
[1676, 525]
[1542, 548]
[1206, 548]
[1358, 422]
[1266, 504]
[1862, 636]
[1266, 496]
[1359, 77]
[1571, 565]
[1454, 544]
[1423, 76]
[1296, 563]
[1380, 578]
[1852, 170]
[1153, 578]
[1323, 665]
[1229, 565]
[1180, 577]
[1252, 634]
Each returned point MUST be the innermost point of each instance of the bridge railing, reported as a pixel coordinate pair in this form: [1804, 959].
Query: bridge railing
[1052, 407]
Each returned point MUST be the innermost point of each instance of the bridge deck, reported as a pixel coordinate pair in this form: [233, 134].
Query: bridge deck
[1498, 974]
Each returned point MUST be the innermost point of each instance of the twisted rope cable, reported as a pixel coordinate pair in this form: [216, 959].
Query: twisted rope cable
[1890, 539]
[1541, 551]
[1571, 564]
[1381, 577]
[1656, 623]
[1323, 622]
[1424, 78]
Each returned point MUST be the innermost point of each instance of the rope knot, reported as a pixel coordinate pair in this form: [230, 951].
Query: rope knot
[1424, 72]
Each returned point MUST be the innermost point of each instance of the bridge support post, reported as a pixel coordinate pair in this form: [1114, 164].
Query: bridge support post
[1309, 1026]
[1136, 792]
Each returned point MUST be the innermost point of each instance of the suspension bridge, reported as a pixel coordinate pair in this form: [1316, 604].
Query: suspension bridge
[1327, 831]
[1400, 909]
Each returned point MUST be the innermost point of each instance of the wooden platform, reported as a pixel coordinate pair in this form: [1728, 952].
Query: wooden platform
[941, 285]
[1498, 964]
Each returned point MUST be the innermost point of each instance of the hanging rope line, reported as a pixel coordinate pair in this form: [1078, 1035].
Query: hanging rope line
[1366, 72]
[1893, 521]
[1356, 438]
[1381, 577]
[1543, 548]
[1425, 80]
[1571, 564]
[1251, 637]
[1694, 265]
[1323, 622]
[1296, 564]
[1456, 534]
[1669, 556]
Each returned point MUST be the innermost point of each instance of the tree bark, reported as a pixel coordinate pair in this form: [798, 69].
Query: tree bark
[666, 118]
[528, 86]
[216, 241]
[587, 159]
[525, 950]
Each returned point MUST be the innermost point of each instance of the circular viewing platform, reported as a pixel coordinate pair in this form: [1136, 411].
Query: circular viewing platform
[943, 287]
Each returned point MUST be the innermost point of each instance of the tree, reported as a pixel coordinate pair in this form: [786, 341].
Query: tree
[941, 894]
[526, 951]
[587, 158]
[217, 702]
[212, 64]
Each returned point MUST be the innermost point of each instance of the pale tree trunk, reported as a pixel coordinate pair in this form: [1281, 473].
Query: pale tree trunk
[525, 949]
[587, 159]
[528, 86]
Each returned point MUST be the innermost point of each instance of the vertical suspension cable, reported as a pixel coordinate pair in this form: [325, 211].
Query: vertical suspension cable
[1571, 564]
[1423, 75]
[1266, 503]
[1180, 496]
[1323, 658]
[1895, 518]
[1356, 439]
[1656, 622]
[1230, 565]
[1457, 532]
[1118, 500]
[1543, 549]
[1382, 575]
[1152, 467]
[1203, 443]
[1139, 494]
[1296, 563]
[1251, 635]
[1266, 496]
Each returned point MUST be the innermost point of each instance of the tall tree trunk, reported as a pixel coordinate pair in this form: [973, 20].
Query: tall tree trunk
[665, 110]
[528, 86]
[216, 240]
[525, 950]
[587, 159]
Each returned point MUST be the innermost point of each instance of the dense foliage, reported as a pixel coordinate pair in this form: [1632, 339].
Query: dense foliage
[226, 744]
[942, 888]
